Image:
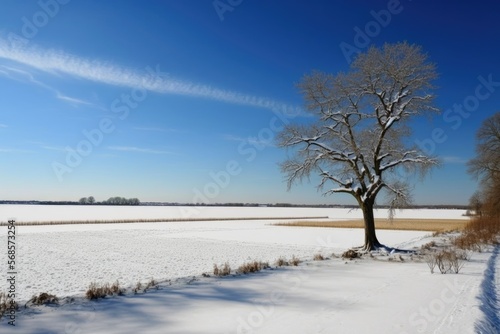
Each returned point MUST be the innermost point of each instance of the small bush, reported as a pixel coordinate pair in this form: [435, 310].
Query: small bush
[351, 254]
[116, 290]
[252, 267]
[431, 262]
[468, 241]
[224, 270]
[443, 261]
[44, 299]
[318, 257]
[6, 304]
[429, 245]
[457, 261]
[478, 232]
[138, 287]
[151, 284]
[282, 262]
[447, 261]
[96, 291]
[295, 261]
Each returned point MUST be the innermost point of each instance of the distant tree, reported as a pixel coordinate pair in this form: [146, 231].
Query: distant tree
[358, 138]
[91, 200]
[121, 201]
[134, 201]
[83, 200]
[486, 165]
[476, 203]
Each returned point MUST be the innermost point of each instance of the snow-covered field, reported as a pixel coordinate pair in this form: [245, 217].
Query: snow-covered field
[316, 297]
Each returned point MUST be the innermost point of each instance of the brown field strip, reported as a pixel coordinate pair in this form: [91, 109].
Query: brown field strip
[432, 225]
[148, 220]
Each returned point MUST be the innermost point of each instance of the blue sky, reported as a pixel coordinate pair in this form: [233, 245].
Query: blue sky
[180, 100]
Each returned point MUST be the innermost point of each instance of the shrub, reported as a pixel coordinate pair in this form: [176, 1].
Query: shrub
[282, 262]
[138, 287]
[468, 241]
[96, 291]
[151, 284]
[429, 245]
[224, 270]
[351, 254]
[295, 261]
[447, 261]
[318, 257]
[252, 267]
[6, 304]
[44, 299]
[456, 263]
[443, 261]
[116, 290]
[431, 262]
[479, 231]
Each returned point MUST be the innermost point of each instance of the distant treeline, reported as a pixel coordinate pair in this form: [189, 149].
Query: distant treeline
[110, 201]
[113, 201]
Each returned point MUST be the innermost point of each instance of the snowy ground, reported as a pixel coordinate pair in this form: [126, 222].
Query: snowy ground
[317, 297]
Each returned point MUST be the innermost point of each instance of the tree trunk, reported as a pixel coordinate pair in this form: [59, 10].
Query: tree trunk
[371, 242]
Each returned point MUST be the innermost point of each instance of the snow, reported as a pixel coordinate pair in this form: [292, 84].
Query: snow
[332, 296]
[83, 212]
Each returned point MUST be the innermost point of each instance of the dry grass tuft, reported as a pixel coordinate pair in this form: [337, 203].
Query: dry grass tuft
[96, 291]
[151, 284]
[116, 290]
[223, 270]
[44, 299]
[351, 254]
[432, 225]
[281, 262]
[252, 267]
[149, 220]
[295, 261]
[6, 304]
[429, 245]
[479, 231]
[318, 257]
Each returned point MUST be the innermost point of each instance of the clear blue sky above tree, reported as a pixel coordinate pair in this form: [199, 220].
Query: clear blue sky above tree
[179, 100]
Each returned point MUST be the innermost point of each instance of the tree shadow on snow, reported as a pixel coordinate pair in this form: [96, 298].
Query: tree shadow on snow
[489, 298]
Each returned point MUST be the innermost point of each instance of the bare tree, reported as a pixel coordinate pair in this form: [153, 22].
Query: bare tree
[486, 165]
[476, 203]
[359, 137]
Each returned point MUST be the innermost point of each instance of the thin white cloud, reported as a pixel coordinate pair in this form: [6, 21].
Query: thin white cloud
[21, 75]
[55, 148]
[3, 126]
[72, 100]
[136, 149]
[14, 150]
[453, 160]
[152, 78]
